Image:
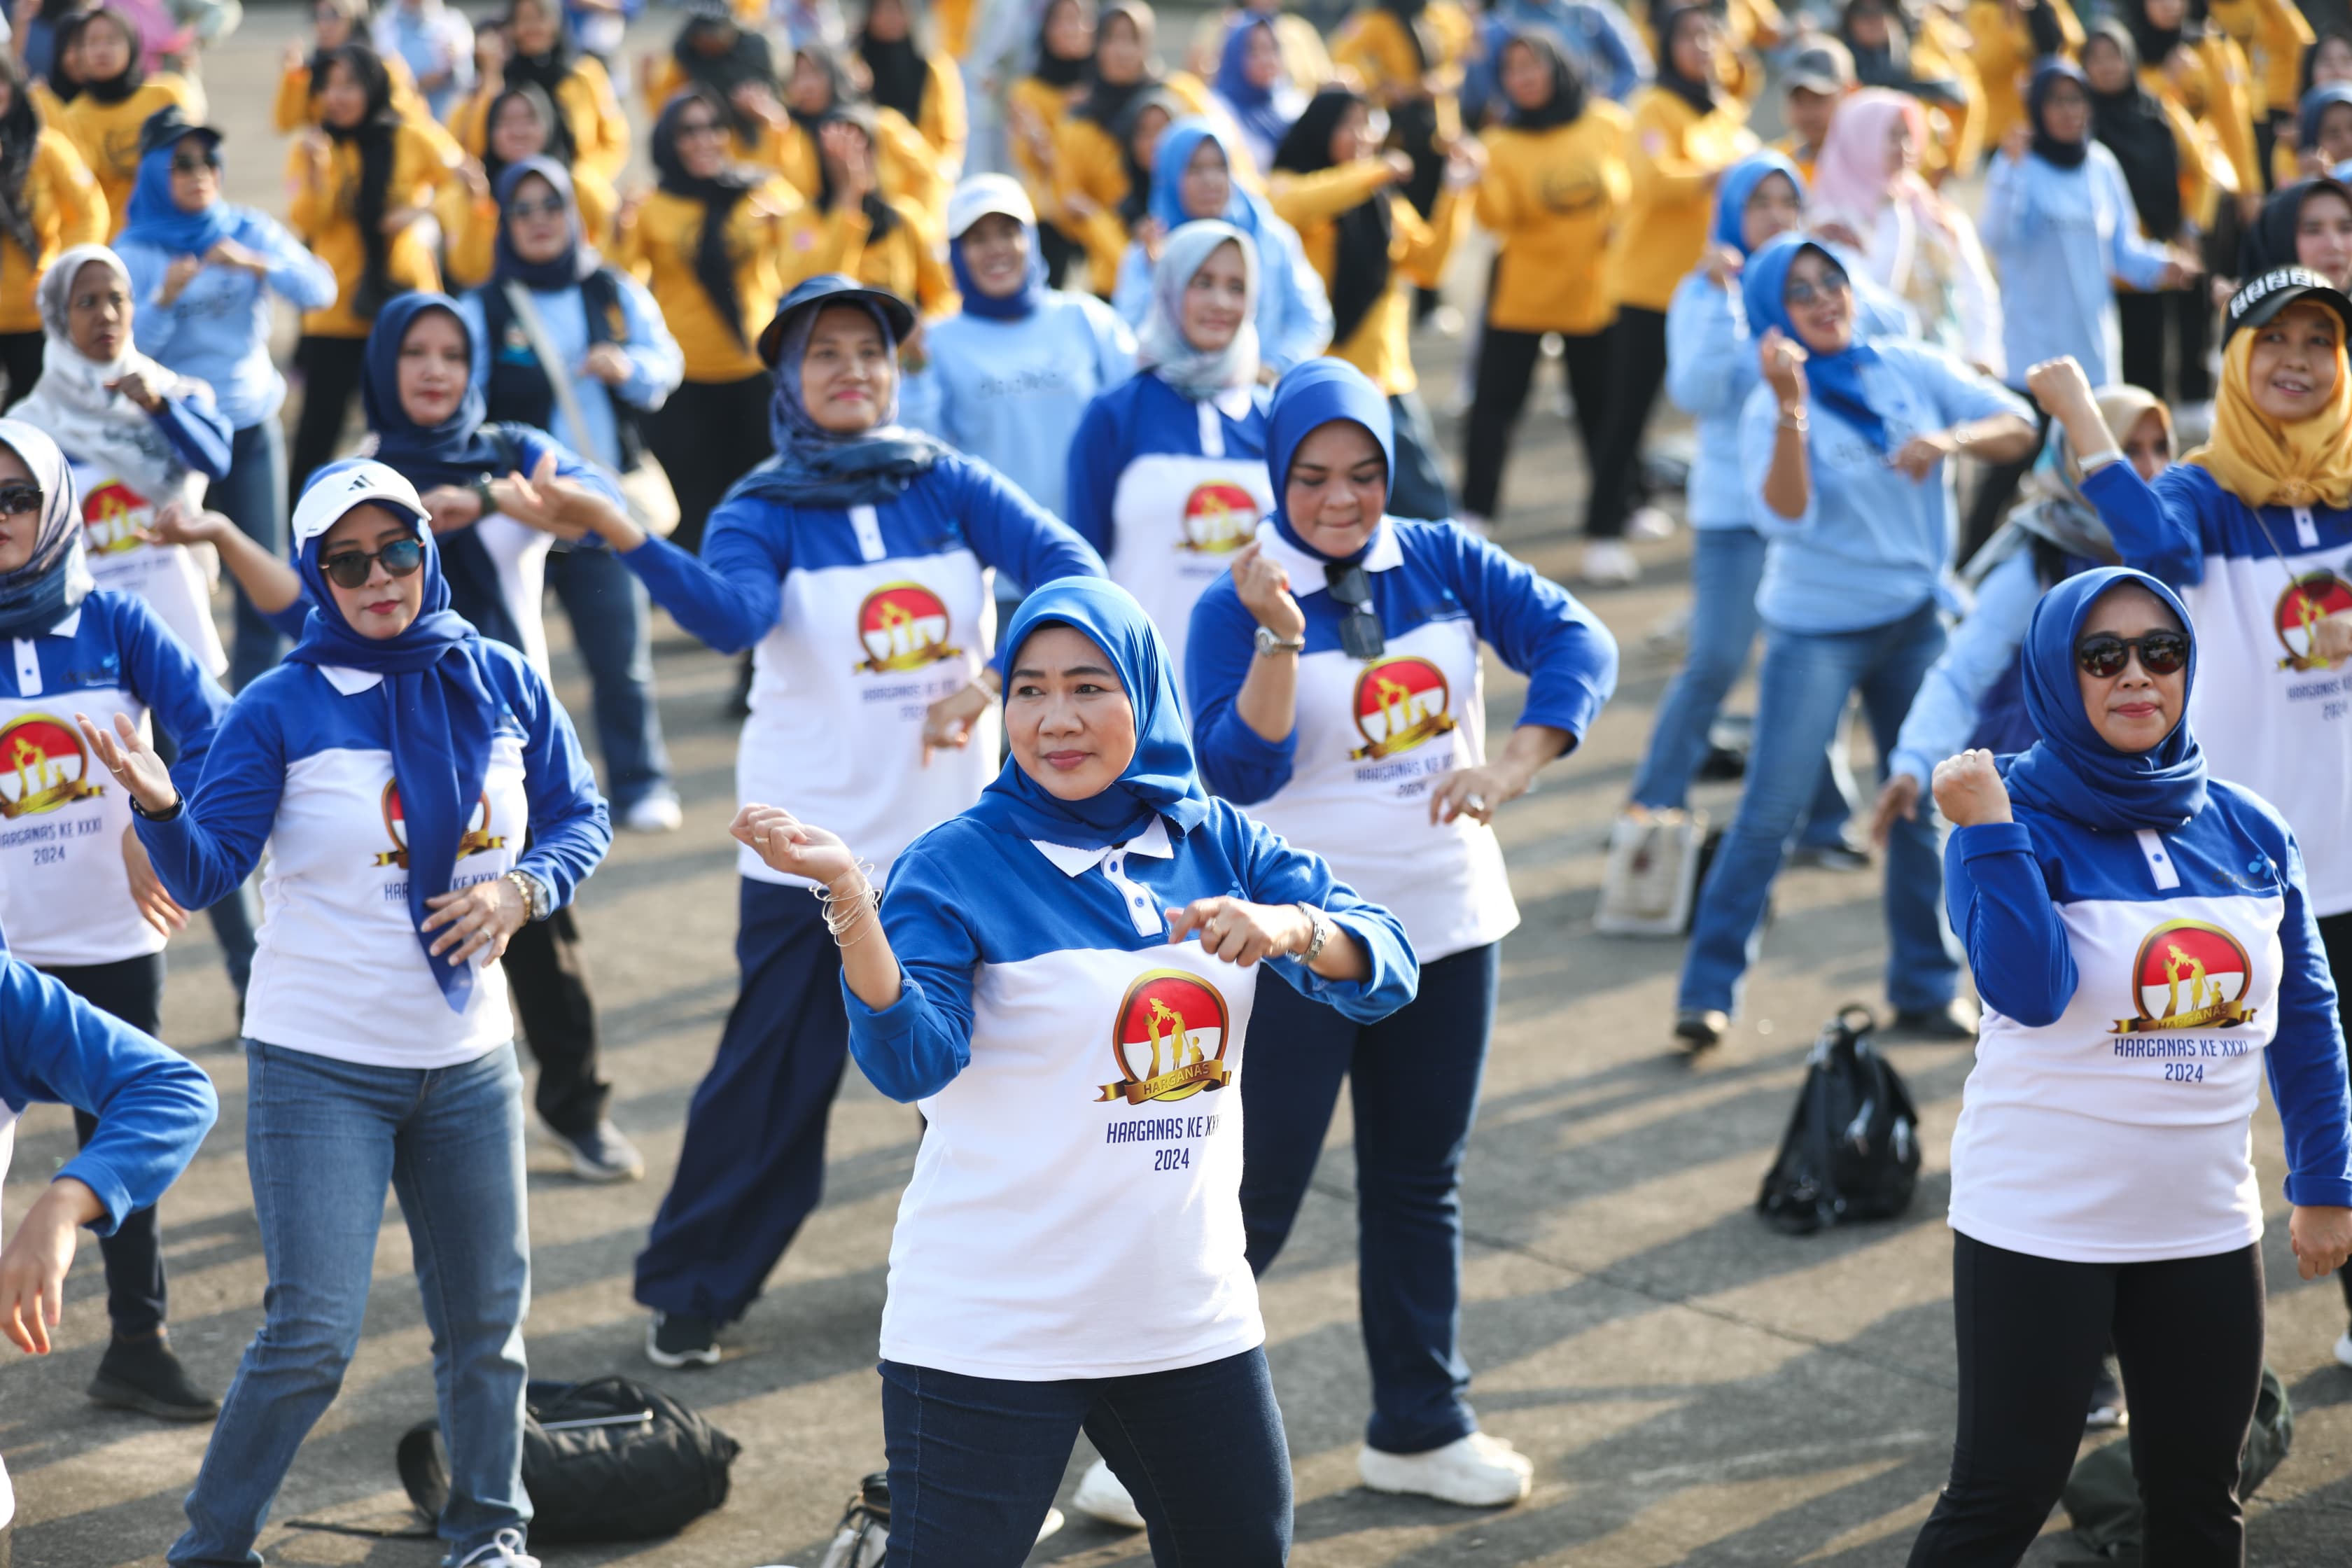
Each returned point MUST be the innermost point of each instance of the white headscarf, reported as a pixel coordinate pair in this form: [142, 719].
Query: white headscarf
[1162, 346]
[94, 425]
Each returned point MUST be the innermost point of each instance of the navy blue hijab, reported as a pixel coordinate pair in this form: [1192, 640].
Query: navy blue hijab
[815, 467]
[1834, 381]
[443, 710]
[578, 260]
[2071, 772]
[37, 594]
[1308, 396]
[1159, 780]
[1017, 306]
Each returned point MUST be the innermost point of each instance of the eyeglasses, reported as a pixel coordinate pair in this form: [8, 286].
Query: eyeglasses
[352, 568]
[1833, 287]
[2104, 653]
[18, 498]
[196, 164]
[1359, 628]
[551, 207]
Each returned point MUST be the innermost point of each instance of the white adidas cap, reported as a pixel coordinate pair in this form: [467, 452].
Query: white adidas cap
[982, 194]
[342, 486]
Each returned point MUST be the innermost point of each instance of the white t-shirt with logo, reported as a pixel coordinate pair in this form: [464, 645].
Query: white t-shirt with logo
[176, 579]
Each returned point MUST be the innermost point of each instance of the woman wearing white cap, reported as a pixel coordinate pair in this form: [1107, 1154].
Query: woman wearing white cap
[1011, 373]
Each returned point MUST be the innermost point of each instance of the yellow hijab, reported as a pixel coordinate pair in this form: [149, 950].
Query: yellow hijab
[2266, 463]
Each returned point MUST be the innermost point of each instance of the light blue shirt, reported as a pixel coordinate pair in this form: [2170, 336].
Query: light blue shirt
[657, 365]
[1012, 392]
[217, 331]
[1944, 714]
[1871, 545]
[1294, 313]
[2058, 238]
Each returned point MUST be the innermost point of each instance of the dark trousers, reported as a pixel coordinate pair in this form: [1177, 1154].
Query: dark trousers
[332, 370]
[252, 495]
[1506, 365]
[1417, 487]
[1060, 251]
[131, 990]
[1997, 488]
[550, 979]
[708, 435]
[20, 357]
[2180, 317]
[2188, 1333]
[751, 1166]
[611, 622]
[1637, 373]
[1412, 1082]
[231, 917]
[974, 1461]
[2336, 936]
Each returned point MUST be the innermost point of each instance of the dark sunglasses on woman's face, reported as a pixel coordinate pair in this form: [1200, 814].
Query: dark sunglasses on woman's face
[18, 498]
[2104, 653]
[352, 568]
[195, 162]
[1833, 287]
[528, 209]
[1360, 634]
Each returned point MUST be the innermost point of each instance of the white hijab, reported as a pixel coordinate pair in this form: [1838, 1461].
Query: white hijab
[94, 425]
[1162, 346]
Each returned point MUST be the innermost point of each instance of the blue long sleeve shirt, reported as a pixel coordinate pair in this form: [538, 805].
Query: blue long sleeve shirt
[2058, 238]
[218, 330]
[1293, 311]
[657, 365]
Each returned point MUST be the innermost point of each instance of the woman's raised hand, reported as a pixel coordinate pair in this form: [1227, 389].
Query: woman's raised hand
[1969, 789]
[1265, 588]
[1239, 932]
[126, 754]
[1781, 359]
[797, 848]
[563, 508]
[2060, 387]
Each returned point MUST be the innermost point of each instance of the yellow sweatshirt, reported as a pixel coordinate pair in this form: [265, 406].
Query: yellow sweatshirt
[591, 112]
[323, 183]
[659, 246]
[2004, 56]
[2212, 85]
[1558, 202]
[1090, 180]
[106, 134]
[67, 208]
[471, 223]
[1037, 110]
[1312, 204]
[904, 162]
[905, 261]
[2273, 35]
[1675, 155]
[295, 109]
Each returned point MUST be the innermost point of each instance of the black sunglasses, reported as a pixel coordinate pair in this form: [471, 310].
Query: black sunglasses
[196, 164]
[2106, 654]
[18, 498]
[1359, 628]
[352, 568]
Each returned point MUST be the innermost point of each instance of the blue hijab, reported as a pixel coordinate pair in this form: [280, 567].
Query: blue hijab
[1017, 306]
[154, 218]
[1160, 779]
[1834, 381]
[1260, 110]
[442, 706]
[1244, 209]
[1308, 396]
[37, 594]
[1737, 188]
[578, 260]
[2314, 108]
[815, 467]
[2071, 772]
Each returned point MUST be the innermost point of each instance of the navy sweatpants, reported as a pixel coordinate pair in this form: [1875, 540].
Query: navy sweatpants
[752, 1164]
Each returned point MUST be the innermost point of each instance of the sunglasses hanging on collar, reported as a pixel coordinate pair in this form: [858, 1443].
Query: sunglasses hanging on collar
[1359, 629]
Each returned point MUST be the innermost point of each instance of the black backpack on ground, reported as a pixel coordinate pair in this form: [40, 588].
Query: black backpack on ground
[609, 1459]
[1852, 1150]
[2102, 1496]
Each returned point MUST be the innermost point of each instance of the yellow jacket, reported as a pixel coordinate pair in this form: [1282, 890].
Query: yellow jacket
[106, 134]
[471, 223]
[1378, 48]
[1090, 180]
[2273, 35]
[1032, 103]
[295, 108]
[1558, 202]
[905, 261]
[2212, 85]
[591, 112]
[951, 22]
[946, 125]
[323, 183]
[904, 162]
[1942, 51]
[1675, 155]
[67, 208]
[1312, 204]
[2005, 55]
[659, 245]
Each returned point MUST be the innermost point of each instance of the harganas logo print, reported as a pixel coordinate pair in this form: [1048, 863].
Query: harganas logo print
[1169, 1038]
[902, 626]
[1400, 704]
[2188, 975]
[42, 766]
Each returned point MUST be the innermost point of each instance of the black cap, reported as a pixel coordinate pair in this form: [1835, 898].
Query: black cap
[167, 125]
[1823, 65]
[2260, 298]
[832, 288]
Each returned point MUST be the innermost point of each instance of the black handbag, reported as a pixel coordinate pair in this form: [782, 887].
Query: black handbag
[1852, 1150]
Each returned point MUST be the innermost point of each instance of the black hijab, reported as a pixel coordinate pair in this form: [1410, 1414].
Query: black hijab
[2155, 43]
[1360, 268]
[2270, 243]
[900, 72]
[1052, 68]
[1412, 15]
[1567, 100]
[2046, 78]
[1107, 101]
[374, 135]
[2131, 125]
[114, 91]
[546, 72]
[880, 215]
[2311, 56]
[714, 268]
[1137, 204]
[746, 60]
[1887, 65]
[841, 89]
[1672, 19]
[555, 140]
[20, 133]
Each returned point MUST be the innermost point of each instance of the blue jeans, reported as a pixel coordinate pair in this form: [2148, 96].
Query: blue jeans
[1727, 563]
[974, 1461]
[1412, 1081]
[323, 1139]
[252, 495]
[611, 624]
[1806, 678]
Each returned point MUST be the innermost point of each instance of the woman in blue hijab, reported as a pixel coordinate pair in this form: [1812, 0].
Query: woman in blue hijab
[1195, 178]
[423, 799]
[1841, 460]
[1092, 890]
[1253, 86]
[2145, 943]
[1338, 695]
[854, 564]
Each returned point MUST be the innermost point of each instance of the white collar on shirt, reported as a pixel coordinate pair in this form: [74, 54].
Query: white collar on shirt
[1076, 862]
[1233, 402]
[68, 626]
[349, 681]
[1307, 571]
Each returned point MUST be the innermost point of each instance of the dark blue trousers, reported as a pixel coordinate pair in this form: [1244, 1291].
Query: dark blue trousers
[974, 1461]
[131, 989]
[1412, 1082]
[752, 1164]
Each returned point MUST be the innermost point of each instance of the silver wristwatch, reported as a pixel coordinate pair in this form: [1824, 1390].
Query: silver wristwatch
[1321, 923]
[1269, 645]
[535, 896]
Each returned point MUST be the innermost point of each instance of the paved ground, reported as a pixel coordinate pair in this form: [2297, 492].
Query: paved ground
[1692, 1388]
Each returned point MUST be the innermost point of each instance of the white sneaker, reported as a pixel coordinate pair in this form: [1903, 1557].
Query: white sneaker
[1608, 563]
[657, 813]
[1100, 1496]
[1052, 1525]
[1477, 1471]
[1650, 522]
[503, 1550]
[2344, 1349]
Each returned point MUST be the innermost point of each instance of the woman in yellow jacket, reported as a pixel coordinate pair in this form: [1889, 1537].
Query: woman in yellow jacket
[1687, 131]
[1557, 194]
[818, 91]
[709, 242]
[1334, 186]
[1037, 108]
[2201, 68]
[100, 100]
[333, 24]
[360, 181]
[922, 85]
[2006, 37]
[522, 122]
[1096, 164]
[1409, 54]
[48, 202]
[531, 49]
[2273, 35]
[851, 226]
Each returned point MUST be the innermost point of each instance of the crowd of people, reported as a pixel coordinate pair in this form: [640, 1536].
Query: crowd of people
[934, 320]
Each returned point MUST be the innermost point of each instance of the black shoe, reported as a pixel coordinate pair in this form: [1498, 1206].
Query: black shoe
[676, 1341]
[2107, 1406]
[1700, 1028]
[145, 1377]
[1954, 1023]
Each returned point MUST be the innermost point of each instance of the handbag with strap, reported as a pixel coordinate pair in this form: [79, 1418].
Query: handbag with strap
[652, 504]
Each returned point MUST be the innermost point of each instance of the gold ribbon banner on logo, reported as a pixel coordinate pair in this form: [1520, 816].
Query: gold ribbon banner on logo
[1210, 1074]
[2218, 1016]
[1427, 729]
[471, 843]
